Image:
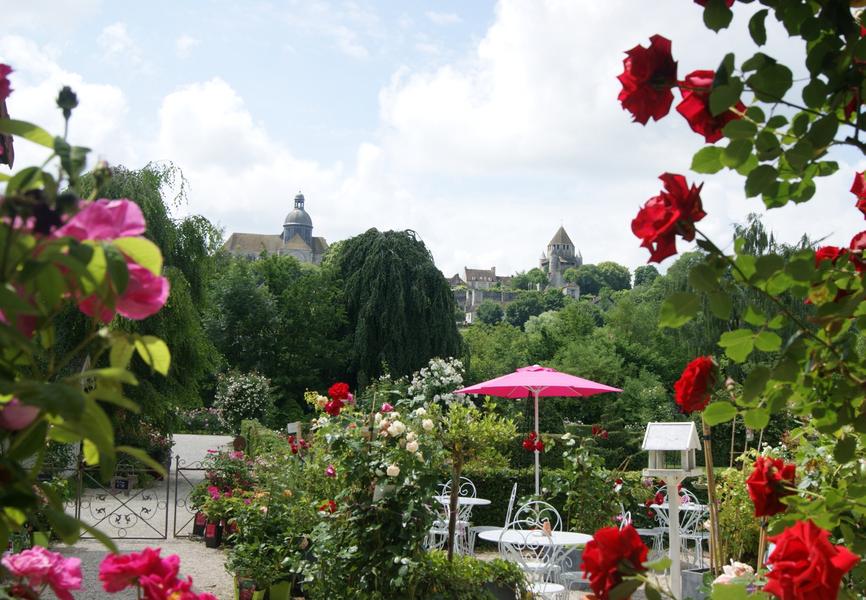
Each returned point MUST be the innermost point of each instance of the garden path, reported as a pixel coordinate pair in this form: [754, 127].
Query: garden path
[203, 564]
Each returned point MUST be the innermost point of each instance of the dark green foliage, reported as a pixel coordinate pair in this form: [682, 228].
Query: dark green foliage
[645, 274]
[614, 276]
[527, 305]
[489, 312]
[399, 306]
[588, 277]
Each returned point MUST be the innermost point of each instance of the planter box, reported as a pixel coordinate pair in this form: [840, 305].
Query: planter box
[213, 535]
[693, 581]
[198, 524]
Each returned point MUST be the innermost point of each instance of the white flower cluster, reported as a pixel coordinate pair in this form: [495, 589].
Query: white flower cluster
[437, 381]
[243, 396]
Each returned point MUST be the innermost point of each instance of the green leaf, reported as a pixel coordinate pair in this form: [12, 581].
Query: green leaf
[799, 123]
[704, 278]
[113, 373]
[754, 317]
[754, 114]
[28, 442]
[757, 29]
[845, 448]
[740, 129]
[800, 154]
[768, 341]
[725, 96]
[777, 121]
[651, 593]
[708, 159]
[770, 82]
[717, 15]
[767, 265]
[624, 590]
[731, 591]
[746, 263]
[736, 153]
[755, 383]
[25, 179]
[28, 131]
[756, 418]
[678, 309]
[117, 269]
[767, 145]
[142, 251]
[738, 344]
[815, 93]
[154, 352]
[121, 352]
[142, 457]
[719, 412]
[823, 131]
[760, 179]
[720, 305]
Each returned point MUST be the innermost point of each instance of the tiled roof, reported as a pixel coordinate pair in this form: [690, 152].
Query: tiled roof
[560, 237]
[483, 274]
[253, 243]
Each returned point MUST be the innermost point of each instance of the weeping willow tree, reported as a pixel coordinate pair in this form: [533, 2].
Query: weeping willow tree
[399, 305]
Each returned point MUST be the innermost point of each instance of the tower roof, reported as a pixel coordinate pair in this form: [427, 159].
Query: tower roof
[560, 237]
[298, 216]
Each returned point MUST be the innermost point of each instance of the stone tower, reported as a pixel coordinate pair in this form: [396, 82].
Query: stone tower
[298, 222]
[560, 257]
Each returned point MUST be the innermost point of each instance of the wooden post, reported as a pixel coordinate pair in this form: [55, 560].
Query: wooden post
[762, 543]
[716, 559]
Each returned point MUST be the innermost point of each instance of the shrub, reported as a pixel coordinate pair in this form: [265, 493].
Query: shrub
[203, 420]
[463, 579]
[243, 396]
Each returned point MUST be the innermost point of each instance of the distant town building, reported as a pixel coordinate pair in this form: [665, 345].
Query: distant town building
[483, 279]
[296, 239]
[559, 258]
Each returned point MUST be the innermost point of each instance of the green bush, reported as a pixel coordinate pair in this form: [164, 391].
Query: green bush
[463, 579]
[262, 440]
[738, 527]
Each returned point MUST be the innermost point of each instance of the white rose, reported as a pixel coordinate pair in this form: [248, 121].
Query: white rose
[427, 424]
[411, 436]
[396, 428]
[393, 471]
[420, 412]
[419, 455]
[412, 446]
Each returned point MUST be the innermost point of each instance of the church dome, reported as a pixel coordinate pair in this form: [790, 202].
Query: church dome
[298, 216]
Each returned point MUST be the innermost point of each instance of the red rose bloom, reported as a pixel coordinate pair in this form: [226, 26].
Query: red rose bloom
[804, 564]
[330, 506]
[831, 253]
[339, 391]
[858, 188]
[333, 407]
[768, 484]
[674, 211]
[694, 386]
[609, 555]
[857, 245]
[695, 106]
[649, 75]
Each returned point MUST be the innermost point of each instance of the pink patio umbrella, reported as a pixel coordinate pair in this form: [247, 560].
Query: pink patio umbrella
[538, 381]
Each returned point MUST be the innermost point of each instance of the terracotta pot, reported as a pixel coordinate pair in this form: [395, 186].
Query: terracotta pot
[213, 534]
[198, 524]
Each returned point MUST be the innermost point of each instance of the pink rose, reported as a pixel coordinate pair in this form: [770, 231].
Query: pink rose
[330, 471]
[386, 408]
[104, 220]
[120, 571]
[14, 415]
[144, 295]
[40, 566]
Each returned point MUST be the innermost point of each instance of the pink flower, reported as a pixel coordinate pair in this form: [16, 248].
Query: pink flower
[40, 567]
[14, 415]
[104, 220]
[144, 295]
[350, 399]
[5, 88]
[120, 571]
[330, 471]
[236, 454]
[386, 408]
[214, 492]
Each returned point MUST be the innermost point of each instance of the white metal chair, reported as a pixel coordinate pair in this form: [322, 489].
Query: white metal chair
[520, 542]
[536, 513]
[691, 526]
[654, 534]
[475, 530]
[437, 536]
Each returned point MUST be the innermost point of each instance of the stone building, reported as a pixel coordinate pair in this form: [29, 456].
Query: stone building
[296, 239]
[560, 256]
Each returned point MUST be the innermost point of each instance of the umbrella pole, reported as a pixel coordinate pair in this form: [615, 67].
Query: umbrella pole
[537, 453]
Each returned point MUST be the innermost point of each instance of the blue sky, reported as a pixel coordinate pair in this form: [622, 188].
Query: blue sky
[481, 125]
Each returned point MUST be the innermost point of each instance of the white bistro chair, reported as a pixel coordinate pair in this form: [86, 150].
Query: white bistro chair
[520, 542]
[475, 530]
[536, 512]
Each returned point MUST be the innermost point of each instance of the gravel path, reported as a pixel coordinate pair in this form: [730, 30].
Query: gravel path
[204, 565]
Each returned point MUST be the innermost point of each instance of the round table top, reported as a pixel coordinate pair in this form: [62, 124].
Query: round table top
[464, 500]
[556, 538]
[683, 506]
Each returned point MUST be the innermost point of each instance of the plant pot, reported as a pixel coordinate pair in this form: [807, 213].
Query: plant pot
[280, 591]
[41, 538]
[213, 534]
[693, 582]
[198, 524]
[244, 588]
[500, 591]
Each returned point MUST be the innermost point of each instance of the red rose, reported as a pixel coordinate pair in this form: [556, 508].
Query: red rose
[694, 386]
[858, 188]
[330, 506]
[768, 484]
[610, 554]
[333, 407]
[539, 446]
[674, 211]
[649, 75]
[857, 245]
[695, 106]
[831, 253]
[804, 564]
[339, 391]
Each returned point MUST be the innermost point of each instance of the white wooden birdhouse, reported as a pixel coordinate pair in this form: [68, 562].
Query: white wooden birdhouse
[662, 440]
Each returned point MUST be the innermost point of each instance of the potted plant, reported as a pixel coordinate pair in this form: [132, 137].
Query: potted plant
[253, 569]
[215, 509]
[196, 499]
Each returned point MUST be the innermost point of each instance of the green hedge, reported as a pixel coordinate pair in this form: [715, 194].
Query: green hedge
[261, 440]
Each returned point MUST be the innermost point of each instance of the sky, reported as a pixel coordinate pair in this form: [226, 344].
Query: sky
[482, 126]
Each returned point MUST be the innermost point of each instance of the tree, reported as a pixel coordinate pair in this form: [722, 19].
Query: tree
[589, 278]
[614, 276]
[537, 279]
[493, 350]
[645, 274]
[400, 308]
[520, 281]
[525, 306]
[553, 299]
[489, 312]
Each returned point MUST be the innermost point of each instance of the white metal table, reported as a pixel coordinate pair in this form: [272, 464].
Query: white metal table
[555, 538]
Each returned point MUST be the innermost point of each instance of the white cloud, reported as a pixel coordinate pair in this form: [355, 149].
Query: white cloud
[443, 18]
[349, 27]
[184, 45]
[118, 47]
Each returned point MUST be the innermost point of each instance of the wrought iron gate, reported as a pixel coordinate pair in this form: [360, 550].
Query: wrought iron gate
[186, 477]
